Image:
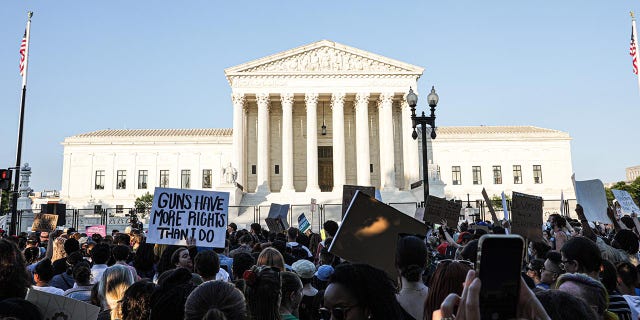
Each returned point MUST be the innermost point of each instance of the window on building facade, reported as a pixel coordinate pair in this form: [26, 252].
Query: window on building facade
[99, 180]
[206, 179]
[121, 178]
[456, 176]
[537, 174]
[477, 175]
[119, 208]
[142, 179]
[277, 169]
[497, 175]
[517, 174]
[164, 178]
[97, 209]
[253, 169]
[185, 179]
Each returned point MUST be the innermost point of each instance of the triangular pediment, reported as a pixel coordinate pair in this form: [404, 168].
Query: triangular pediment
[324, 57]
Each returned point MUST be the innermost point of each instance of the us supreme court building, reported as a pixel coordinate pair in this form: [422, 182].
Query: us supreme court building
[306, 122]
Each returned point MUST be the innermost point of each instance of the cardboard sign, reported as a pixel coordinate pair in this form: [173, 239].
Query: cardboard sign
[526, 211]
[591, 196]
[44, 222]
[277, 218]
[348, 191]
[54, 306]
[494, 217]
[438, 209]
[303, 223]
[626, 202]
[180, 214]
[369, 233]
[100, 229]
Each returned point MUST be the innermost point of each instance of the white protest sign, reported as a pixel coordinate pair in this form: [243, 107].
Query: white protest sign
[179, 214]
[627, 204]
[55, 306]
[504, 206]
[590, 195]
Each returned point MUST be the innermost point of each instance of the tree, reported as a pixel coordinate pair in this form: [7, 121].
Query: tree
[6, 199]
[633, 188]
[143, 204]
[496, 201]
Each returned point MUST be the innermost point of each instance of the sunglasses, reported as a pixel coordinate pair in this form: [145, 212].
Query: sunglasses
[338, 313]
[465, 262]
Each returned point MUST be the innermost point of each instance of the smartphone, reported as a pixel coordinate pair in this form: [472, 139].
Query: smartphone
[499, 268]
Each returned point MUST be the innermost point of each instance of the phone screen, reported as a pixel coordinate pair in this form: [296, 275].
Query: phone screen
[500, 263]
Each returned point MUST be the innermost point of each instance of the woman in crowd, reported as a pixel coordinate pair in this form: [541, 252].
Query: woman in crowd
[448, 278]
[42, 274]
[291, 293]
[114, 282]
[14, 278]
[82, 278]
[215, 295]
[144, 260]
[411, 259]
[182, 259]
[272, 258]
[65, 280]
[263, 295]
[168, 300]
[135, 302]
[311, 297]
[360, 291]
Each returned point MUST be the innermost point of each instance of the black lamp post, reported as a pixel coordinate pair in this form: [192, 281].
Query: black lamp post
[423, 120]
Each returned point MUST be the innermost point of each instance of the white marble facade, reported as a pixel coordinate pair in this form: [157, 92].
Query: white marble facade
[280, 104]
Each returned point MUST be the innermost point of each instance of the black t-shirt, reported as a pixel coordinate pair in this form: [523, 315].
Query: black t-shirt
[309, 307]
[59, 266]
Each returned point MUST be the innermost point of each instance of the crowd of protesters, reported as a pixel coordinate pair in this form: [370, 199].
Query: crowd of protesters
[580, 270]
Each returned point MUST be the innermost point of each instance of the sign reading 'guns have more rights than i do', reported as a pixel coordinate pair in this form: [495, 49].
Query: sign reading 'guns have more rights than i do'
[178, 215]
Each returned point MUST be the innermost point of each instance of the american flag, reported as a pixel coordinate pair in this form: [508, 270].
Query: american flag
[632, 52]
[23, 50]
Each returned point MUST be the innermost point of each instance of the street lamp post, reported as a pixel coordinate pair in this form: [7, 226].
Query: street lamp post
[423, 120]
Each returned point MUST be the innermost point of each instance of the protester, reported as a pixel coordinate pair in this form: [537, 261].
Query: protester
[411, 259]
[588, 289]
[363, 291]
[120, 254]
[321, 278]
[534, 269]
[298, 251]
[550, 271]
[70, 246]
[241, 263]
[263, 292]
[448, 278]
[617, 303]
[182, 259]
[42, 274]
[215, 295]
[311, 297]
[114, 282]
[168, 300]
[558, 223]
[144, 260]
[19, 309]
[245, 246]
[135, 303]
[82, 277]
[291, 293]
[581, 255]
[271, 257]
[207, 265]
[99, 256]
[560, 305]
[65, 280]
[538, 250]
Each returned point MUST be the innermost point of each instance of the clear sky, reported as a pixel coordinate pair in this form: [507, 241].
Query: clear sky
[117, 64]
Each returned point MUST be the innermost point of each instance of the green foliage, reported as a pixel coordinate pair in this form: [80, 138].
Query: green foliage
[6, 199]
[143, 204]
[496, 201]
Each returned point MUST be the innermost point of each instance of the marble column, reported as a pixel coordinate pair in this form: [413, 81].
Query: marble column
[262, 184]
[387, 163]
[411, 161]
[339, 154]
[363, 159]
[238, 135]
[287, 142]
[311, 101]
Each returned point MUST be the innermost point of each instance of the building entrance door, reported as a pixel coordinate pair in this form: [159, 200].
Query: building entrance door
[325, 168]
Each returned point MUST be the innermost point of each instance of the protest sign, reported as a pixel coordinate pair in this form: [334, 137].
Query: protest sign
[100, 229]
[590, 195]
[438, 209]
[419, 214]
[277, 218]
[526, 216]
[3, 222]
[44, 222]
[180, 214]
[626, 202]
[303, 223]
[53, 306]
[494, 217]
[369, 233]
[348, 191]
[505, 210]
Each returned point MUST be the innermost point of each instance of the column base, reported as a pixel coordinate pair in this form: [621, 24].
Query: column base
[312, 189]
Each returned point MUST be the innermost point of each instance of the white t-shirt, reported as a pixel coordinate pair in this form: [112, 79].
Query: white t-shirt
[222, 275]
[97, 271]
[634, 305]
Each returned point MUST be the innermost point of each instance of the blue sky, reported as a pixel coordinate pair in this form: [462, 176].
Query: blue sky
[159, 64]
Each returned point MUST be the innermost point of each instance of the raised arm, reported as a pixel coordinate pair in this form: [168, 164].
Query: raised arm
[586, 228]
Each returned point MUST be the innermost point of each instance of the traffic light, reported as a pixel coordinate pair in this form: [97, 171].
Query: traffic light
[5, 179]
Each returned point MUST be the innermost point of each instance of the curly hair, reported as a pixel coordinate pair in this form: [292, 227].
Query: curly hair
[14, 278]
[135, 302]
[372, 288]
[411, 257]
[263, 293]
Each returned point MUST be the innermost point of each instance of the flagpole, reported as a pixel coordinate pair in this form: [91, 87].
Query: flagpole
[635, 40]
[14, 201]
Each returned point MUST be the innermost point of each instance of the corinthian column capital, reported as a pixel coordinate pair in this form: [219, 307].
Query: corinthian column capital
[286, 98]
[311, 98]
[237, 98]
[386, 99]
[337, 98]
[362, 99]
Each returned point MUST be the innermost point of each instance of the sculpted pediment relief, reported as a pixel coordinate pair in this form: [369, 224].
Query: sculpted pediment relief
[324, 57]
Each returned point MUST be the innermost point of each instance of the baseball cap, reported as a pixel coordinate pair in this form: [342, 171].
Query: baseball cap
[304, 268]
[324, 272]
[464, 236]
